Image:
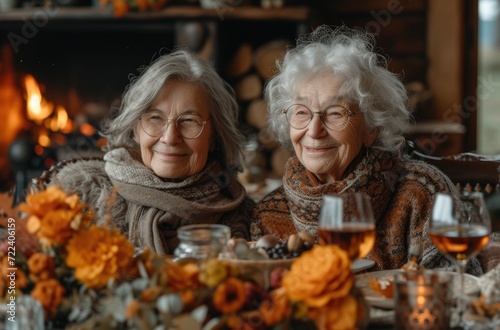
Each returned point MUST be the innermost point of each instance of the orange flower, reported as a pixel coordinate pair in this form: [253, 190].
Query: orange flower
[230, 296]
[52, 215]
[11, 278]
[338, 314]
[181, 277]
[277, 309]
[151, 294]
[98, 255]
[188, 298]
[319, 275]
[41, 267]
[131, 309]
[49, 293]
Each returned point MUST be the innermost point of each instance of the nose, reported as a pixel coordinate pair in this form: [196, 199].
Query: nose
[316, 127]
[171, 135]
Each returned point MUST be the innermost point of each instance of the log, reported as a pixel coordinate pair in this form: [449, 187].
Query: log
[278, 160]
[248, 88]
[241, 62]
[257, 113]
[266, 56]
[266, 140]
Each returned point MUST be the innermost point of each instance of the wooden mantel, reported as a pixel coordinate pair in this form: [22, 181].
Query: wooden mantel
[177, 12]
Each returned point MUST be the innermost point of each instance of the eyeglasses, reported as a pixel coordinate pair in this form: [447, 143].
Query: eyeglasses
[335, 117]
[189, 126]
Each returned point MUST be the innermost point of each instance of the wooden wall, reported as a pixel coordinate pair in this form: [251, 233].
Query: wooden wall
[425, 42]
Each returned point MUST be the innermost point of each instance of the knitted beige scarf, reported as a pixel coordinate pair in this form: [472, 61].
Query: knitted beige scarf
[156, 208]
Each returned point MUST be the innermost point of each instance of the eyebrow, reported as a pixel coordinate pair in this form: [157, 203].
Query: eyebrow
[333, 100]
[187, 112]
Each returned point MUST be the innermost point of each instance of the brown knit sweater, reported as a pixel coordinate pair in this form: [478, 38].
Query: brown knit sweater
[401, 191]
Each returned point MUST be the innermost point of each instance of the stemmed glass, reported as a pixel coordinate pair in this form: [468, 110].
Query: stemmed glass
[460, 228]
[347, 220]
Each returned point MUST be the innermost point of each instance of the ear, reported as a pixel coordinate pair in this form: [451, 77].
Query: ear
[370, 137]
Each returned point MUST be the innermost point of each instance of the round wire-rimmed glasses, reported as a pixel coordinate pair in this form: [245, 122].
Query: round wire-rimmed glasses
[189, 126]
[334, 117]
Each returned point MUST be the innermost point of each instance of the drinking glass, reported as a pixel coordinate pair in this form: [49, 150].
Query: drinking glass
[347, 220]
[456, 238]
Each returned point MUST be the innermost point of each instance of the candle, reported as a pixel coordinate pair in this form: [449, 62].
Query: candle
[422, 300]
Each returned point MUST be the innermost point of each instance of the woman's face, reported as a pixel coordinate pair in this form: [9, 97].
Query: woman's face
[322, 151]
[170, 155]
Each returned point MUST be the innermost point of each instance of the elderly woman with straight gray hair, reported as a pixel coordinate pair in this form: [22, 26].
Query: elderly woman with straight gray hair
[172, 155]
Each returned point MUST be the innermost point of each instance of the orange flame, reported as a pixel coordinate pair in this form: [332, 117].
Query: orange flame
[38, 107]
[59, 120]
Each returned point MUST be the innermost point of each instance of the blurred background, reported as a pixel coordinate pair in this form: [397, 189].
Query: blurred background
[65, 63]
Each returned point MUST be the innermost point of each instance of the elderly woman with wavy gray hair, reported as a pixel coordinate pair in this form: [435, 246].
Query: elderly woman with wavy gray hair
[173, 151]
[339, 109]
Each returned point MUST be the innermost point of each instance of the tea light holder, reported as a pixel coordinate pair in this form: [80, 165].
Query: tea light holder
[422, 300]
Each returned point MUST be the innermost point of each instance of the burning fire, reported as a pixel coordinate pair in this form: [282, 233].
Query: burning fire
[40, 110]
[38, 107]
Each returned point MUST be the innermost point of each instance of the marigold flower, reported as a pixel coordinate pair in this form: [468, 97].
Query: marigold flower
[131, 309]
[181, 277]
[5, 281]
[338, 314]
[277, 308]
[52, 215]
[41, 267]
[230, 296]
[319, 275]
[151, 294]
[49, 293]
[98, 255]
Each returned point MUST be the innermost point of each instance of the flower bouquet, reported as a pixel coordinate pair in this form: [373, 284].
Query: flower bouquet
[90, 277]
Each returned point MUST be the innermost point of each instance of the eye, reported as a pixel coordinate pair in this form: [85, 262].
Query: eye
[154, 117]
[300, 111]
[335, 112]
[189, 120]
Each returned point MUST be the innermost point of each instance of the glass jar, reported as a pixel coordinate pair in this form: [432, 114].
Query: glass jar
[201, 241]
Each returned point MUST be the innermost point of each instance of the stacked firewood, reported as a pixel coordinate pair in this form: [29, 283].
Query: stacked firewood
[248, 70]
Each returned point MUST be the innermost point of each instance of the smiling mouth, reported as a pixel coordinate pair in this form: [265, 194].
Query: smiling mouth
[317, 149]
[169, 155]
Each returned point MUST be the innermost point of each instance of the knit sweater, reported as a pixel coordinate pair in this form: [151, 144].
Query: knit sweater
[401, 190]
[148, 209]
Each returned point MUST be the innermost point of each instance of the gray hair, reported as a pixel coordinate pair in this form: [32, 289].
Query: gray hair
[365, 80]
[180, 64]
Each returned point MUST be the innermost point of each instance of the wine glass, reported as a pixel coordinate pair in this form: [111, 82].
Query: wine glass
[460, 228]
[346, 220]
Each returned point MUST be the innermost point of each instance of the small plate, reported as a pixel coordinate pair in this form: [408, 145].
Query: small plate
[362, 264]
[377, 300]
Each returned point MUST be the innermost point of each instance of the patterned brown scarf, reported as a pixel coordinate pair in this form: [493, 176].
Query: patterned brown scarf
[375, 176]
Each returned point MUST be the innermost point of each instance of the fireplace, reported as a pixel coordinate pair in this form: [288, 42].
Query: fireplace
[56, 88]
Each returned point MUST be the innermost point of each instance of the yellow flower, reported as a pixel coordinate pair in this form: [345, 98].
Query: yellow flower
[319, 275]
[98, 255]
[230, 296]
[49, 293]
[41, 267]
[213, 272]
[52, 215]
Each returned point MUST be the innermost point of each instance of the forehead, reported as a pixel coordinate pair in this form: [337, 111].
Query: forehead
[320, 87]
[178, 96]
